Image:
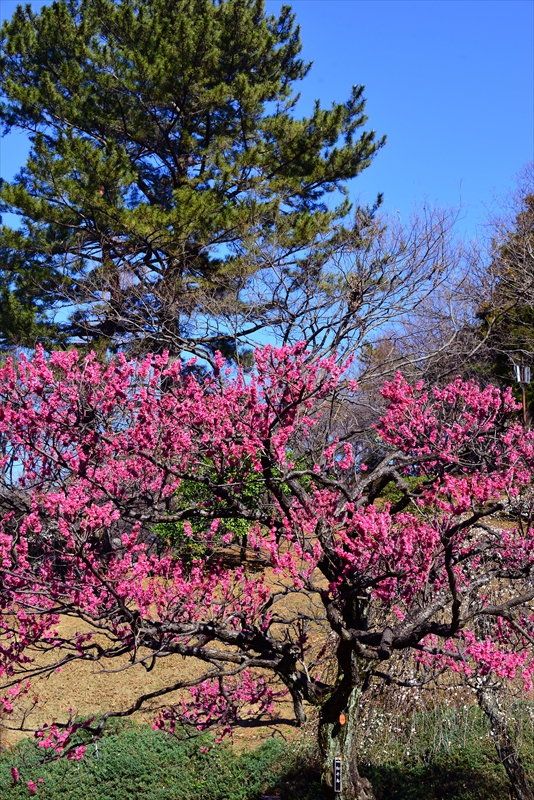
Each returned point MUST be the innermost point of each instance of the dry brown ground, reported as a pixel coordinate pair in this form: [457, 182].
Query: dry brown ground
[88, 688]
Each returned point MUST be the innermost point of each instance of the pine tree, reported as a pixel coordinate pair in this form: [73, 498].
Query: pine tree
[164, 151]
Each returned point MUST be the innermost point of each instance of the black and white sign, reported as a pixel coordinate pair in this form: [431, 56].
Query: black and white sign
[337, 774]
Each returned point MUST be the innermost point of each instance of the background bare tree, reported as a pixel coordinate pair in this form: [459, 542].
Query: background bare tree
[480, 321]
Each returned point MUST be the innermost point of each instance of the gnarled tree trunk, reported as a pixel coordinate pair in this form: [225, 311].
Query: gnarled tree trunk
[337, 739]
[504, 744]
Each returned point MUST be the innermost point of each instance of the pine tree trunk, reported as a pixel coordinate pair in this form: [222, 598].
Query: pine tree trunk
[504, 744]
[338, 740]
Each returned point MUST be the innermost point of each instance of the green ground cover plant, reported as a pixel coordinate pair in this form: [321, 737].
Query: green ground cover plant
[135, 762]
[444, 754]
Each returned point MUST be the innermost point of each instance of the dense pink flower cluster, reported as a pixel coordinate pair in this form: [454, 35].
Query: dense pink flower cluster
[213, 704]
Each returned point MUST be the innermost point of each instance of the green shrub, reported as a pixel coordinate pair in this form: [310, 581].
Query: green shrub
[445, 754]
[138, 763]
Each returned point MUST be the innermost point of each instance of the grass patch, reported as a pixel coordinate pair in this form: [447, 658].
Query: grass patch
[443, 754]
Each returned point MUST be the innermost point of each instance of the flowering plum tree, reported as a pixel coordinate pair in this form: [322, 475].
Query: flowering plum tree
[93, 457]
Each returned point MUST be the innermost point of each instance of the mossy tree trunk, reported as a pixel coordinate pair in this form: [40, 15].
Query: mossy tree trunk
[337, 739]
[504, 743]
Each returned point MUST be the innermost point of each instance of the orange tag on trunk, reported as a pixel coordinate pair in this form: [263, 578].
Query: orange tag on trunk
[342, 719]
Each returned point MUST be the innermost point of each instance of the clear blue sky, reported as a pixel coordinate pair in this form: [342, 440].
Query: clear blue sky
[450, 82]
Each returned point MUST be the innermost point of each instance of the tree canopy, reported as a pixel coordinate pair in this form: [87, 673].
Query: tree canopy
[94, 455]
[164, 141]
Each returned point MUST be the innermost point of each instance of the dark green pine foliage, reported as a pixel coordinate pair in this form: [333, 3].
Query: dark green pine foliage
[163, 143]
